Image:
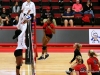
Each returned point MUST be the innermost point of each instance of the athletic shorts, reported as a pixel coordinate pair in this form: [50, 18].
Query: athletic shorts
[18, 52]
[96, 73]
[49, 35]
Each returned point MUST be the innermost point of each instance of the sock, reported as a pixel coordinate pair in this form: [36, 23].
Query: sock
[42, 55]
[46, 53]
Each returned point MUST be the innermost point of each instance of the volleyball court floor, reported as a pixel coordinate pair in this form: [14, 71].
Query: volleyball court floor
[56, 64]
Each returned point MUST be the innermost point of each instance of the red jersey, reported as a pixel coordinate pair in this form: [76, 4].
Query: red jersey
[93, 61]
[47, 30]
[81, 68]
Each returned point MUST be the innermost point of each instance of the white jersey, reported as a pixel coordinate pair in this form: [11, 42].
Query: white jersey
[21, 39]
[22, 26]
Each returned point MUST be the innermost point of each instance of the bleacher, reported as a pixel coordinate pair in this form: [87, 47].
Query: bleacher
[58, 8]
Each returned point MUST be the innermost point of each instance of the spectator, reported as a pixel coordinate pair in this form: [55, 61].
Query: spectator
[71, 1]
[1, 21]
[88, 9]
[15, 21]
[46, 14]
[4, 13]
[7, 21]
[77, 7]
[68, 17]
[16, 8]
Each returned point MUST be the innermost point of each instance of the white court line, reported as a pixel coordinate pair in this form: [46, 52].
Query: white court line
[35, 70]
[39, 71]
[28, 70]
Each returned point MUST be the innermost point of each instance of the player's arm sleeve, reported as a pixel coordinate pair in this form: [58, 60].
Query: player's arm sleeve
[23, 31]
[73, 58]
[34, 9]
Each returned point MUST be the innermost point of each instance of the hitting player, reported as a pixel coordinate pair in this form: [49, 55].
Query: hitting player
[20, 35]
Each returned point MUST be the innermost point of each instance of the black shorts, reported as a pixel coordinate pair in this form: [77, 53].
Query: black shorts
[96, 73]
[49, 35]
[68, 19]
[18, 52]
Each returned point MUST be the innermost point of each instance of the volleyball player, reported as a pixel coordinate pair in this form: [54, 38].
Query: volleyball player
[22, 25]
[77, 47]
[20, 34]
[80, 68]
[93, 63]
[48, 30]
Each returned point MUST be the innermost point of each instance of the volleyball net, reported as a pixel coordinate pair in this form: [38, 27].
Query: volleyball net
[31, 52]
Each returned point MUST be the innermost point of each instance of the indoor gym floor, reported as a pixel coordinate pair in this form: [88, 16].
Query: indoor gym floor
[56, 64]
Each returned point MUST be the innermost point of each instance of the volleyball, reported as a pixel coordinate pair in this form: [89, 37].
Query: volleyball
[28, 17]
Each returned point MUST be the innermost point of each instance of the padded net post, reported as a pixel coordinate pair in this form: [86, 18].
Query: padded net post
[29, 52]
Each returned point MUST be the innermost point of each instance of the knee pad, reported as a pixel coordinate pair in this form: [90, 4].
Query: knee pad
[70, 69]
[44, 47]
[17, 67]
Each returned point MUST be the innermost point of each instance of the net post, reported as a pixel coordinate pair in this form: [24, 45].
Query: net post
[28, 54]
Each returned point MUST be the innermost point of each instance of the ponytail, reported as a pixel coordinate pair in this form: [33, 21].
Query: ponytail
[92, 53]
